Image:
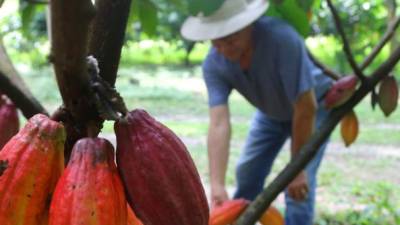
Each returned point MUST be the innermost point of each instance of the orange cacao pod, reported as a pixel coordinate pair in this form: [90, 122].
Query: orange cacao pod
[89, 191]
[30, 165]
[272, 216]
[9, 123]
[228, 212]
[160, 178]
[349, 128]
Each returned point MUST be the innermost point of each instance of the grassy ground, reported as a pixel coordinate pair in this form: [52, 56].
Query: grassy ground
[358, 185]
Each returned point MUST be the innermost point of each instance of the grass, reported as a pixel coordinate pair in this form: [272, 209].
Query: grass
[354, 182]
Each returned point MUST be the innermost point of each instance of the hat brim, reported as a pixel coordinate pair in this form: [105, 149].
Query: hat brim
[197, 29]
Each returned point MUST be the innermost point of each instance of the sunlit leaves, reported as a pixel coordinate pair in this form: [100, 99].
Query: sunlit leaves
[206, 7]
[295, 12]
[145, 12]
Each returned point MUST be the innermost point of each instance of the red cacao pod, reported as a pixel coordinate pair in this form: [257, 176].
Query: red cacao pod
[9, 123]
[32, 161]
[341, 91]
[388, 95]
[227, 212]
[89, 191]
[160, 178]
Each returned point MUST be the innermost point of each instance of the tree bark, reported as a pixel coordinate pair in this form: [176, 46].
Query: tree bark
[14, 87]
[79, 29]
[107, 36]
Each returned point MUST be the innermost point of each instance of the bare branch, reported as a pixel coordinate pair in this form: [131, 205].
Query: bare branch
[330, 73]
[28, 105]
[107, 36]
[388, 35]
[309, 150]
[346, 46]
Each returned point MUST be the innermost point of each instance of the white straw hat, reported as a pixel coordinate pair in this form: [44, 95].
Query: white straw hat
[231, 17]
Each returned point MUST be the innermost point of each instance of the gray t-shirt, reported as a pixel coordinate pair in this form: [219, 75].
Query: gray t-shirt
[279, 72]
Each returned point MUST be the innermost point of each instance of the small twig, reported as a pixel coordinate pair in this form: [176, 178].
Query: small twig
[346, 46]
[388, 35]
[330, 73]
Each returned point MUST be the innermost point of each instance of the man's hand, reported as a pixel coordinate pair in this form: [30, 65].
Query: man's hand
[298, 188]
[218, 196]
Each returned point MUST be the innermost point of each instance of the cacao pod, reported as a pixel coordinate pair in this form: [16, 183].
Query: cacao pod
[160, 178]
[227, 212]
[272, 216]
[31, 163]
[9, 123]
[349, 128]
[341, 91]
[388, 95]
[89, 191]
[132, 218]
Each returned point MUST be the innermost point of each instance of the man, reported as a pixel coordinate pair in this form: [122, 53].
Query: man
[266, 61]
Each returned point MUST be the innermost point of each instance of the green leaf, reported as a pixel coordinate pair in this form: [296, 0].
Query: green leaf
[27, 13]
[207, 7]
[148, 16]
[1, 3]
[295, 12]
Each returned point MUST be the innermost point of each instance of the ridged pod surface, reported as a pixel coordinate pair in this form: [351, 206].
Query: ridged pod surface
[160, 178]
[89, 191]
[30, 165]
[228, 212]
[9, 123]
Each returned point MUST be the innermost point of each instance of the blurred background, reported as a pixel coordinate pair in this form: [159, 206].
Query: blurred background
[162, 74]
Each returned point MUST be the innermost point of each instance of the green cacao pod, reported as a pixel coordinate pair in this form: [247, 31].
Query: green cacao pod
[160, 178]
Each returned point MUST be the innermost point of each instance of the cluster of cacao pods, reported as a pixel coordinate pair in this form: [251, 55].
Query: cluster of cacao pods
[344, 88]
[155, 176]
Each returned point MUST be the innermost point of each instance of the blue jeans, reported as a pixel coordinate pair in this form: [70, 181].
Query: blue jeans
[265, 139]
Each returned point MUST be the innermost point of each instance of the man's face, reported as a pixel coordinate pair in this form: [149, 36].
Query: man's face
[233, 46]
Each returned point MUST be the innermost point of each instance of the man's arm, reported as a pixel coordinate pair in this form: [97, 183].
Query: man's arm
[303, 126]
[219, 134]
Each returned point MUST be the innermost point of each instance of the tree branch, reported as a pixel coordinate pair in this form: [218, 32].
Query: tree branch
[14, 87]
[308, 151]
[346, 46]
[69, 33]
[388, 35]
[107, 36]
[28, 105]
[330, 73]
